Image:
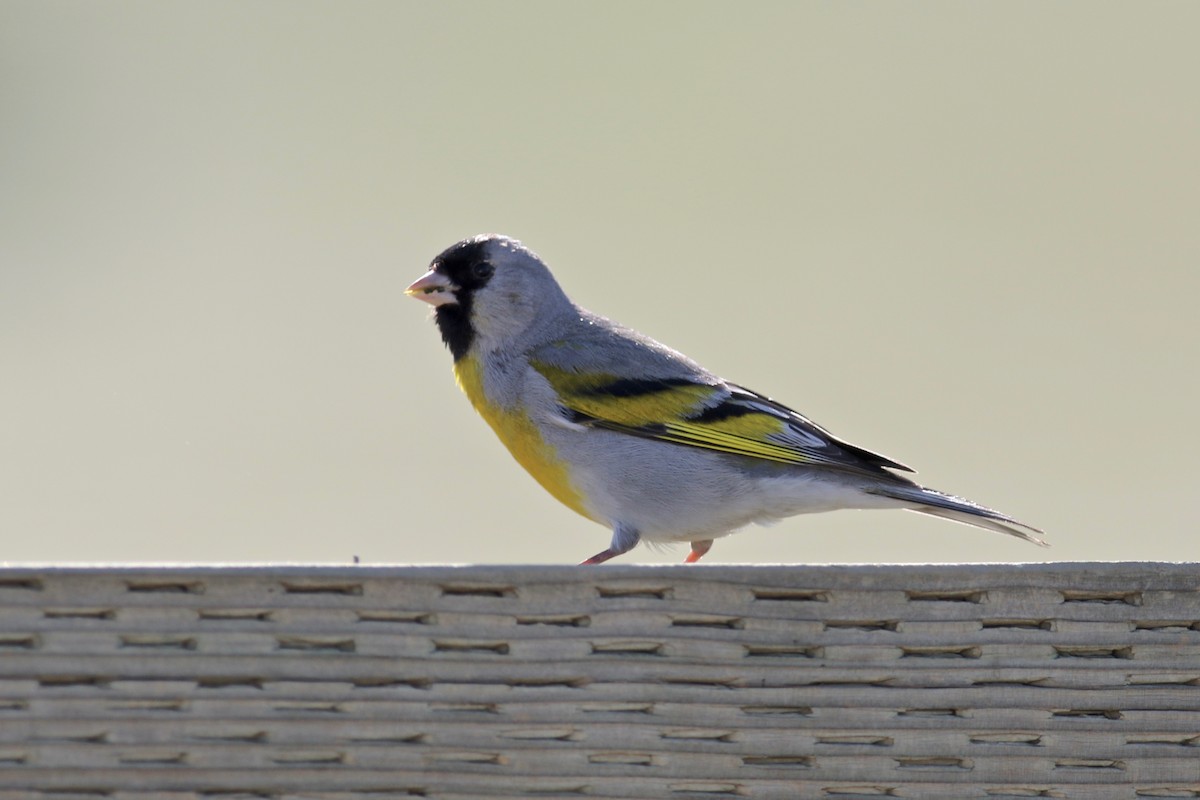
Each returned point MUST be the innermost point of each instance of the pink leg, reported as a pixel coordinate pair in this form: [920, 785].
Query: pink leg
[600, 557]
[698, 551]
[624, 539]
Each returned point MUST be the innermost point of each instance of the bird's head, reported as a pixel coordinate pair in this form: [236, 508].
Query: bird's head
[488, 291]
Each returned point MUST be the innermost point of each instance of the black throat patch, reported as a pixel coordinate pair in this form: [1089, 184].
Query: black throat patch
[468, 266]
[454, 323]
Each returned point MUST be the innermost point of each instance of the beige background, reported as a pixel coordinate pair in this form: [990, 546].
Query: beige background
[965, 235]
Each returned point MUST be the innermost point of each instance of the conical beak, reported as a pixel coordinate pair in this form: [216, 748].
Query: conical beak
[434, 288]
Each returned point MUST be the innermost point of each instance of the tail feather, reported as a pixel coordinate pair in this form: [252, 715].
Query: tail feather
[958, 509]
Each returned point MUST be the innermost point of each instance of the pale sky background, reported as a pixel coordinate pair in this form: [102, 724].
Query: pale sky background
[966, 235]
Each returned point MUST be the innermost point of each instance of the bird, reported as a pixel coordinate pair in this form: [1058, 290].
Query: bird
[636, 436]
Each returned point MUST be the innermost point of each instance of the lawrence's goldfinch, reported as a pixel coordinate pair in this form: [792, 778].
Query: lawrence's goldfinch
[634, 435]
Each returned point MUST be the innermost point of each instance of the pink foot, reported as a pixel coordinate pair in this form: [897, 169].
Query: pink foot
[698, 551]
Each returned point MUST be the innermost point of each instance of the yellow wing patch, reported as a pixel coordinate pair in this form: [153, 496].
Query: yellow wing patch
[676, 410]
[744, 436]
[626, 401]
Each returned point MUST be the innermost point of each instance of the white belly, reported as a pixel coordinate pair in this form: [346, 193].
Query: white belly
[671, 493]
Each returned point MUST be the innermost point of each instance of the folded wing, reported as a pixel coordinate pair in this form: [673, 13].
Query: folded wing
[709, 414]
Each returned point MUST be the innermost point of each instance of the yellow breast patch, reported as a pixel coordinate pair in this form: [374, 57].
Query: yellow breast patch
[522, 438]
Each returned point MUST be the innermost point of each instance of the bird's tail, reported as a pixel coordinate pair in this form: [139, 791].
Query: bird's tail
[947, 506]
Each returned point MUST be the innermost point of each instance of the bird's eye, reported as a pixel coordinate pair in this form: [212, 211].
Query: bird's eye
[482, 270]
